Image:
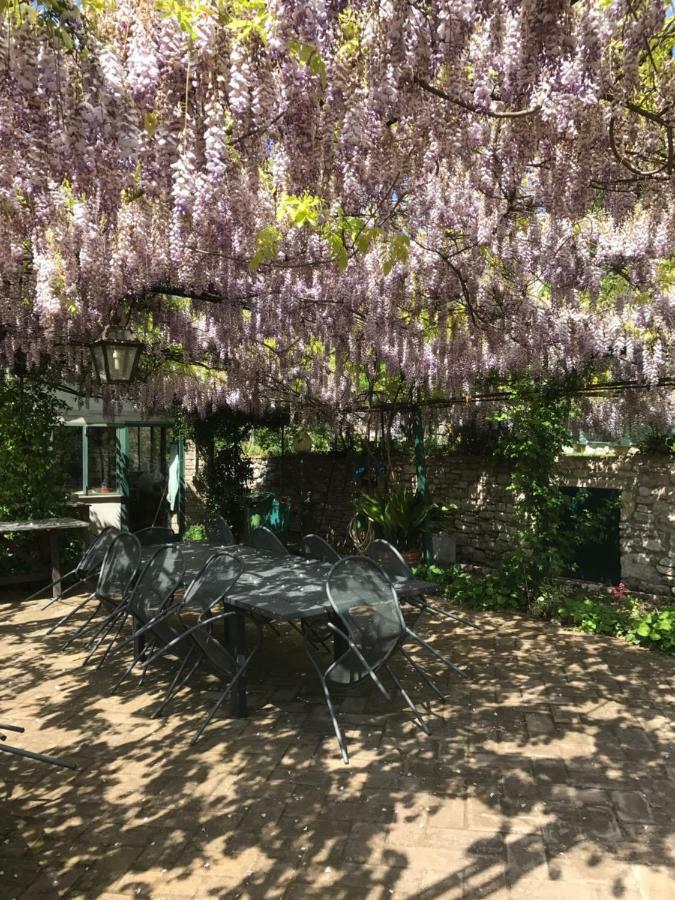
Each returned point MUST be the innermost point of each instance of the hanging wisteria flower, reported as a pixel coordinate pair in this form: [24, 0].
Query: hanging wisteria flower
[304, 198]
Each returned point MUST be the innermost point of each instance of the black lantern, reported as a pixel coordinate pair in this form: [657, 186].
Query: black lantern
[116, 354]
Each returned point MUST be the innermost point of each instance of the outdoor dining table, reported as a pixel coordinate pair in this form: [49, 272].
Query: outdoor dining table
[50, 529]
[283, 589]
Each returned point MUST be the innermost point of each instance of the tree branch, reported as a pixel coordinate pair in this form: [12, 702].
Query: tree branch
[470, 107]
[667, 165]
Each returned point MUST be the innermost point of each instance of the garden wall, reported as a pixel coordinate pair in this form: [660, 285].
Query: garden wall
[322, 488]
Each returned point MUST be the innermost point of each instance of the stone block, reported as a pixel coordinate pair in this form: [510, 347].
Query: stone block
[631, 806]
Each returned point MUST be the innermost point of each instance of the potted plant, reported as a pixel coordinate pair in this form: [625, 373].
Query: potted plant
[400, 516]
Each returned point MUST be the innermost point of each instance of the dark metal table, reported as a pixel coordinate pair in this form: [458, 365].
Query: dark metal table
[279, 588]
[50, 528]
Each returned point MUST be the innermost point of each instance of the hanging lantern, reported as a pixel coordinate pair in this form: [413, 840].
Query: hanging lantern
[116, 354]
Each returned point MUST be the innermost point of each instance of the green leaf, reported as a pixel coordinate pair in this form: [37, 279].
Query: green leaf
[267, 247]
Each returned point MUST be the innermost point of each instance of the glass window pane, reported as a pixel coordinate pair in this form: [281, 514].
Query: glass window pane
[68, 443]
[148, 477]
[133, 459]
[101, 447]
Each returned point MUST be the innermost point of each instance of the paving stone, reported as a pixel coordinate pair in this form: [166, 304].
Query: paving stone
[631, 806]
[563, 793]
[526, 858]
[655, 882]
[586, 861]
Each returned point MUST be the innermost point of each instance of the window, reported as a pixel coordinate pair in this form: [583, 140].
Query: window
[68, 443]
[102, 459]
[147, 476]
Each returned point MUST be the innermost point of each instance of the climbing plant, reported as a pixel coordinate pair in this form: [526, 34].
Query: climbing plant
[31, 470]
[223, 471]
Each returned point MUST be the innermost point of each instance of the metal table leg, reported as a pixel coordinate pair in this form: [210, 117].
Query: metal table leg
[139, 641]
[340, 645]
[235, 641]
[55, 562]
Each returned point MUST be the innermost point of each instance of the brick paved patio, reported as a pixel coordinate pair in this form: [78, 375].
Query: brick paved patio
[550, 774]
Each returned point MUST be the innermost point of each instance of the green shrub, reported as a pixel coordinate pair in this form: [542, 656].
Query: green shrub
[654, 629]
[196, 532]
[32, 482]
[621, 616]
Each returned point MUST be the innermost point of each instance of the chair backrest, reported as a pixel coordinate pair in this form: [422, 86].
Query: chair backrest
[155, 536]
[93, 556]
[218, 531]
[388, 558]
[264, 539]
[216, 580]
[217, 576]
[119, 567]
[365, 602]
[158, 580]
[315, 547]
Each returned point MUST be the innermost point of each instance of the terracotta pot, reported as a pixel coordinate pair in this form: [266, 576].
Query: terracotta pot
[412, 557]
[105, 490]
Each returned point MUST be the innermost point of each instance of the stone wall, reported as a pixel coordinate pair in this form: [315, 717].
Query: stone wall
[322, 489]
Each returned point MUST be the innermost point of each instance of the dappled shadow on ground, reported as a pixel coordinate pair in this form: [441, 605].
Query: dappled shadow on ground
[549, 774]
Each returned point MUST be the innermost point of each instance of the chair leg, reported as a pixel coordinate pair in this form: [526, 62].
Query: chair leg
[112, 642]
[423, 675]
[40, 757]
[48, 587]
[448, 615]
[336, 725]
[175, 686]
[68, 616]
[219, 702]
[62, 594]
[99, 636]
[225, 693]
[435, 653]
[420, 606]
[418, 715]
[342, 743]
[123, 677]
[148, 649]
[309, 633]
[80, 631]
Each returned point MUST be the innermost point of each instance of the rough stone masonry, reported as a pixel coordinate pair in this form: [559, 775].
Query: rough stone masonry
[322, 489]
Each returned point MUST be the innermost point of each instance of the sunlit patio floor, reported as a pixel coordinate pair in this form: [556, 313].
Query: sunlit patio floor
[550, 773]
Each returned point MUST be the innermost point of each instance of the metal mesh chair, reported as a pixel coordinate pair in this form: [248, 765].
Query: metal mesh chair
[219, 532]
[145, 605]
[369, 629]
[315, 547]
[264, 539]
[389, 558]
[210, 587]
[155, 535]
[88, 567]
[117, 572]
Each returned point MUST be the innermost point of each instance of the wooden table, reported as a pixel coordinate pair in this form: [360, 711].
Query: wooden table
[50, 528]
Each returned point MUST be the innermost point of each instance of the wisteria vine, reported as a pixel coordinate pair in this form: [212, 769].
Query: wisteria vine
[296, 198]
